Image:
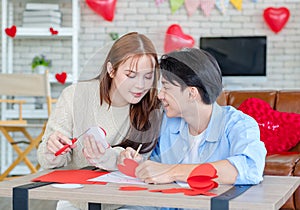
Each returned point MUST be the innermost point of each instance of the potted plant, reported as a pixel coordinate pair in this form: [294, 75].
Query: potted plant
[40, 64]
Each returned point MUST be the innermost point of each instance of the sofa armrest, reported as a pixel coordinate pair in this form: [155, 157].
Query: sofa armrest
[281, 164]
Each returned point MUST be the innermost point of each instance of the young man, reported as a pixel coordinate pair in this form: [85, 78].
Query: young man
[196, 130]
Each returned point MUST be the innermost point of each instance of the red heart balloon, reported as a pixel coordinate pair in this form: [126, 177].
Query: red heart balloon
[129, 167]
[61, 77]
[105, 8]
[12, 31]
[175, 39]
[280, 131]
[276, 18]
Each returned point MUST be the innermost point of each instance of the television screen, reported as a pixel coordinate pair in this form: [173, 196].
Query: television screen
[238, 56]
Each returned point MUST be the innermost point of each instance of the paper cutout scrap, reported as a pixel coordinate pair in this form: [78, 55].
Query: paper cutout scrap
[129, 167]
[12, 31]
[71, 177]
[185, 191]
[52, 31]
[132, 188]
[61, 78]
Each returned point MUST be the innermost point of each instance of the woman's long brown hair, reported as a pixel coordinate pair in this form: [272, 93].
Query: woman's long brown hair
[145, 117]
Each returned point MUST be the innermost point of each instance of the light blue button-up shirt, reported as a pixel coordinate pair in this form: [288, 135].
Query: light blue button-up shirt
[230, 135]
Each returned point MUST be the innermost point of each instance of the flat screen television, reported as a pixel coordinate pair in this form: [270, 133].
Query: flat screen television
[242, 56]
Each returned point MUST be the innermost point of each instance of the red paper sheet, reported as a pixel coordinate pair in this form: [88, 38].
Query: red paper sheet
[71, 177]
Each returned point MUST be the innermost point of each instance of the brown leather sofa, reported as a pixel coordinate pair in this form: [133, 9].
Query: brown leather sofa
[287, 164]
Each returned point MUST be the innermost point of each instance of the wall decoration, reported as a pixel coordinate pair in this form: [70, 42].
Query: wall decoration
[175, 5]
[158, 2]
[52, 31]
[12, 31]
[105, 8]
[175, 39]
[276, 18]
[61, 78]
[207, 6]
[237, 4]
[191, 6]
[222, 5]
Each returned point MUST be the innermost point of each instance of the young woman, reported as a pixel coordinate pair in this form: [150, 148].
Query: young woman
[196, 130]
[122, 100]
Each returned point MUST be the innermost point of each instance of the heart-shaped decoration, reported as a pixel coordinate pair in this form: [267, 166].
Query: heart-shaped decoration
[129, 167]
[280, 131]
[61, 78]
[52, 31]
[12, 31]
[276, 18]
[105, 8]
[175, 39]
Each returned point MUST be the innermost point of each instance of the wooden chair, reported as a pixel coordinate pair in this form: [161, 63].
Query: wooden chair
[22, 85]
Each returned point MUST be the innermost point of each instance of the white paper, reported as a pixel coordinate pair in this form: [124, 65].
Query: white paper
[117, 177]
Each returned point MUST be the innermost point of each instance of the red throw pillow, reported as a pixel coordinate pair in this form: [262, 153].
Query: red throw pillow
[280, 131]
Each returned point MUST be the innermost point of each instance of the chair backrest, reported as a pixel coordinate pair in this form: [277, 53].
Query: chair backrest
[26, 85]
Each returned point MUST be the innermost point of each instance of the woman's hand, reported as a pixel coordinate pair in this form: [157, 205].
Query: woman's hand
[155, 173]
[56, 141]
[92, 150]
[130, 154]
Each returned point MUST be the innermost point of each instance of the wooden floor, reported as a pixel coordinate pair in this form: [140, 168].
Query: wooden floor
[6, 204]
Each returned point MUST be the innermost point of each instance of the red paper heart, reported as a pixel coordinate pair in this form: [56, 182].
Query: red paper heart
[276, 18]
[53, 32]
[12, 31]
[105, 8]
[280, 131]
[175, 39]
[61, 77]
[201, 177]
[129, 167]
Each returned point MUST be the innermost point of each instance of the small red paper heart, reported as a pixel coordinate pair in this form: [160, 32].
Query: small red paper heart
[129, 167]
[12, 31]
[53, 32]
[105, 8]
[61, 77]
[175, 39]
[276, 18]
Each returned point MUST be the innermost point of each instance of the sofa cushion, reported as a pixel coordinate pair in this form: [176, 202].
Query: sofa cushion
[236, 98]
[280, 131]
[288, 101]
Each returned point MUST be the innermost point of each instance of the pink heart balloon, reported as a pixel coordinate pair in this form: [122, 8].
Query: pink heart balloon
[175, 39]
[105, 8]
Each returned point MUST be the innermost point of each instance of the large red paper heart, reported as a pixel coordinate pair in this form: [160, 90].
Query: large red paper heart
[276, 18]
[129, 167]
[105, 8]
[175, 39]
[61, 77]
[201, 177]
[12, 31]
[280, 131]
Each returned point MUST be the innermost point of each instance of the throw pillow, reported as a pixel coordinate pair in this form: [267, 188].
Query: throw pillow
[280, 131]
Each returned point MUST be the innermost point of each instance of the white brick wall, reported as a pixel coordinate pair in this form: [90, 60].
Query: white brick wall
[283, 58]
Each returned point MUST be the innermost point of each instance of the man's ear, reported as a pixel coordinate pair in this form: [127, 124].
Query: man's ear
[110, 69]
[193, 92]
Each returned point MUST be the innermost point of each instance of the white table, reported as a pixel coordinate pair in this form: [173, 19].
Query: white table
[271, 194]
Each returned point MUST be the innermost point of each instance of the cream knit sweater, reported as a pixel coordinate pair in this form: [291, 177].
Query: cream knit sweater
[77, 109]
